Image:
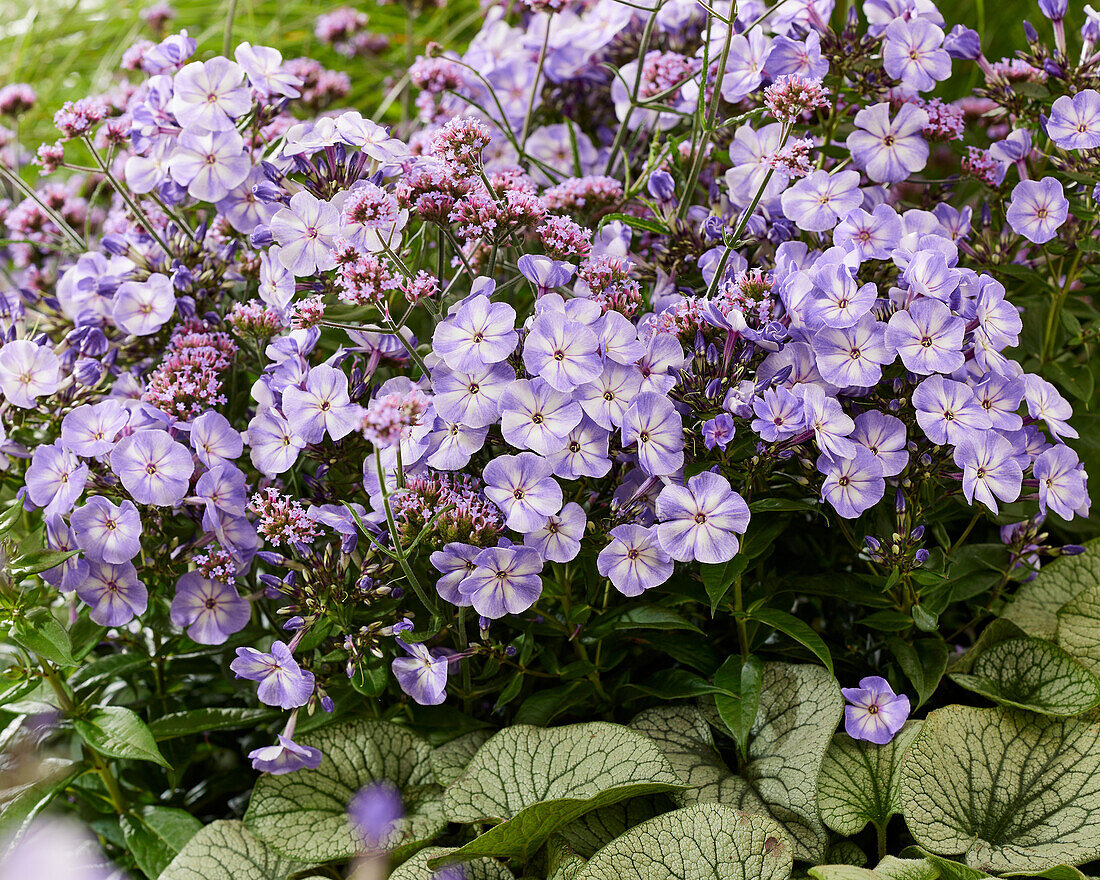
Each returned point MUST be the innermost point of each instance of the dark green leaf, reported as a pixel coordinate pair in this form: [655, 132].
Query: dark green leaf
[796, 629]
[40, 633]
[120, 733]
[38, 561]
[743, 679]
[717, 579]
[669, 684]
[634, 617]
[637, 223]
[156, 834]
[923, 663]
[204, 720]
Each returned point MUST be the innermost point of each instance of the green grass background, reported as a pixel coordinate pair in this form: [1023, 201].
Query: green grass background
[66, 48]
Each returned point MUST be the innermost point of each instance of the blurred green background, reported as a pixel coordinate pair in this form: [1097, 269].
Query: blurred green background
[66, 48]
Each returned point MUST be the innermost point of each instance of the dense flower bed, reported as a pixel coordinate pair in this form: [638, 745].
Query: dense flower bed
[672, 368]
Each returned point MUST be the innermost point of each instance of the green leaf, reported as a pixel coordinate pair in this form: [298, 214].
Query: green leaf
[156, 835]
[1079, 627]
[1031, 674]
[636, 223]
[668, 684]
[634, 617]
[104, 670]
[451, 759]
[40, 633]
[799, 709]
[194, 721]
[701, 841]
[717, 579]
[20, 804]
[228, 851]
[796, 629]
[38, 561]
[923, 663]
[417, 868]
[304, 814]
[745, 680]
[859, 781]
[120, 733]
[1007, 790]
[889, 868]
[593, 831]
[562, 863]
[1035, 608]
[534, 780]
[9, 518]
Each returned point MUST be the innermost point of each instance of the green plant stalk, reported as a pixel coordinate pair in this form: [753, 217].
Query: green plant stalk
[398, 551]
[29, 192]
[121, 190]
[227, 35]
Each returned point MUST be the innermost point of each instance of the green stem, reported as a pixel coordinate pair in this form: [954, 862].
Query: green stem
[227, 36]
[139, 214]
[739, 616]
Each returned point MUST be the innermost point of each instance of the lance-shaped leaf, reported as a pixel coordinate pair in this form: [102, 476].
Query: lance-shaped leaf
[534, 780]
[1007, 790]
[1035, 607]
[1079, 626]
[889, 868]
[702, 842]
[1031, 674]
[859, 780]
[227, 851]
[799, 710]
[304, 814]
[450, 759]
[417, 868]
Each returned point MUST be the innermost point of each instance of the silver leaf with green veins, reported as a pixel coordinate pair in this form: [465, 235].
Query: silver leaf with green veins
[304, 814]
[450, 759]
[859, 781]
[417, 868]
[1008, 790]
[1079, 627]
[1035, 606]
[800, 706]
[227, 851]
[889, 868]
[533, 780]
[1031, 674]
[702, 842]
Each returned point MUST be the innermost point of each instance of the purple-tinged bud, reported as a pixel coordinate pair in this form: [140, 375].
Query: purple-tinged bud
[712, 354]
[327, 704]
[713, 228]
[272, 558]
[171, 193]
[397, 592]
[1030, 33]
[872, 542]
[116, 244]
[510, 651]
[899, 502]
[1055, 10]
[987, 212]
[269, 193]
[1072, 550]
[1090, 30]
[1053, 68]
[853, 17]
[182, 277]
[271, 172]
[661, 186]
[962, 43]
[261, 237]
[714, 388]
[917, 533]
[921, 556]
[106, 285]
[925, 460]
[295, 623]
[88, 371]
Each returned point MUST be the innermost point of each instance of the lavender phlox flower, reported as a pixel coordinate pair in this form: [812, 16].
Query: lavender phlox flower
[884, 437]
[618, 338]
[749, 153]
[653, 423]
[263, 66]
[1074, 122]
[745, 65]
[1000, 397]
[454, 562]
[927, 337]
[322, 407]
[453, 444]
[1014, 148]
[214, 440]
[210, 611]
[27, 372]
[853, 356]
[1061, 481]
[701, 520]
[55, 479]
[840, 301]
[853, 483]
[912, 53]
[1045, 403]
[285, 756]
[634, 560]
[481, 332]
[989, 469]
[605, 400]
[153, 467]
[370, 137]
[584, 453]
[818, 201]
[663, 356]
[778, 415]
[209, 163]
[1037, 209]
[998, 319]
[928, 274]
[73, 571]
[114, 593]
[223, 487]
[535, 416]
[718, 431]
[470, 398]
[801, 57]
[422, 674]
[305, 229]
[824, 416]
[523, 487]
[505, 580]
[208, 95]
[141, 308]
[875, 713]
[106, 532]
[50, 847]
[947, 410]
[282, 682]
[963, 43]
[559, 540]
[889, 150]
[273, 445]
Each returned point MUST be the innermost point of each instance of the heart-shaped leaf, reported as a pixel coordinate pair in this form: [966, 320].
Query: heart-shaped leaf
[593, 831]
[1007, 790]
[1079, 626]
[859, 781]
[889, 868]
[534, 780]
[702, 842]
[304, 814]
[450, 759]
[417, 868]
[1035, 607]
[1031, 674]
[799, 709]
[155, 835]
[227, 851]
